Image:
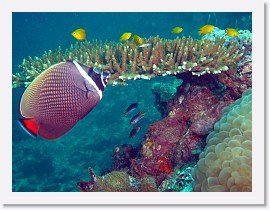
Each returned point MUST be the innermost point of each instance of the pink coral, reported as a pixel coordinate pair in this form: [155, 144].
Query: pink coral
[170, 141]
[205, 109]
[237, 81]
[121, 157]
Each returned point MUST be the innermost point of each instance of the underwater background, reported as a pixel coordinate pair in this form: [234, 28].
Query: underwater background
[39, 165]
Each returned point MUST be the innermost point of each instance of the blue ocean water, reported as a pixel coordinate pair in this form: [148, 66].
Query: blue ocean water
[40, 165]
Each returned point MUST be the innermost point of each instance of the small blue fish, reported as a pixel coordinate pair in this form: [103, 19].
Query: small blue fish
[134, 131]
[131, 108]
[137, 118]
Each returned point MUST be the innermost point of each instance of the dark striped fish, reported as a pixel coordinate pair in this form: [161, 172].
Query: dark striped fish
[60, 97]
[131, 108]
[134, 131]
[137, 118]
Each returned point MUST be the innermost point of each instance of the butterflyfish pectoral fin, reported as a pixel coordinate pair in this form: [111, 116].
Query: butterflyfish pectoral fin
[30, 126]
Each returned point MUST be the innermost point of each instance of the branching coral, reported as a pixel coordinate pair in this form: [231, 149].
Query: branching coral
[128, 61]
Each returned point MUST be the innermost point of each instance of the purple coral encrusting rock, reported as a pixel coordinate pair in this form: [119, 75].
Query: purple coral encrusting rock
[204, 108]
[170, 141]
[122, 156]
[237, 80]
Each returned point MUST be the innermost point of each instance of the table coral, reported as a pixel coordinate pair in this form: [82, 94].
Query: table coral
[238, 78]
[126, 61]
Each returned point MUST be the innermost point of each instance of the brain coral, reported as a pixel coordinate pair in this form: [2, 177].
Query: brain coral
[226, 163]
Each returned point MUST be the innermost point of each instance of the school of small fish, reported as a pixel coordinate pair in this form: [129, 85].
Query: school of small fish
[80, 34]
[135, 119]
[176, 30]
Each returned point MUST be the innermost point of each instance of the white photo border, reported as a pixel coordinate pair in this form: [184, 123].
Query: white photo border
[257, 196]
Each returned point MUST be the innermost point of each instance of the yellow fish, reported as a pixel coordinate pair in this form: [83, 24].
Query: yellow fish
[200, 42]
[79, 34]
[137, 39]
[206, 29]
[125, 36]
[232, 32]
[177, 30]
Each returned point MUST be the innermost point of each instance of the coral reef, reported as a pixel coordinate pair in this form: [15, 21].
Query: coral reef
[122, 156]
[237, 81]
[179, 182]
[244, 37]
[127, 61]
[166, 91]
[116, 181]
[239, 77]
[215, 72]
[178, 138]
[226, 163]
[171, 141]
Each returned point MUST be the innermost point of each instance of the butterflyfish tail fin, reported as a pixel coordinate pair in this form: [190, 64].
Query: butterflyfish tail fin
[30, 126]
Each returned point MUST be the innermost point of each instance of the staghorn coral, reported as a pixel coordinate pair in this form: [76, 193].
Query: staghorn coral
[226, 163]
[128, 61]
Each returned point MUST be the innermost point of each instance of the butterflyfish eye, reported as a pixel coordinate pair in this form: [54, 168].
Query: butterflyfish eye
[106, 74]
